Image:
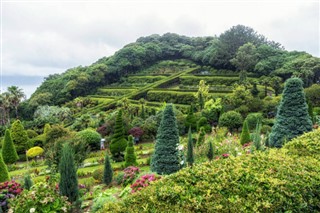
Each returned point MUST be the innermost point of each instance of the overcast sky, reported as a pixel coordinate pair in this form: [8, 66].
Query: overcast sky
[45, 37]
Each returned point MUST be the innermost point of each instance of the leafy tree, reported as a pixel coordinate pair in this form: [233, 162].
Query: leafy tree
[68, 184]
[232, 120]
[245, 134]
[190, 156]
[19, 137]
[90, 137]
[212, 110]
[210, 153]
[313, 94]
[165, 159]
[4, 175]
[54, 133]
[9, 152]
[16, 96]
[246, 57]
[202, 94]
[240, 96]
[292, 117]
[107, 172]
[130, 157]
[118, 142]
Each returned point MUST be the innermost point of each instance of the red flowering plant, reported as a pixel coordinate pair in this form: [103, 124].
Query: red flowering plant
[225, 155]
[143, 181]
[130, 173]
[8, 190]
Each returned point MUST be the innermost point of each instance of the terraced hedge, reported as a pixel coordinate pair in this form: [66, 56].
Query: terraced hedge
[270, 181]
[194, 80]
[114, 91]
[144, 79]
[176, 96]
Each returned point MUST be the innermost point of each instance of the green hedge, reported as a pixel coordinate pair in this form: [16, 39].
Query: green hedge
[144, 79]
[194, 80]
[114, 91]
[262, 182]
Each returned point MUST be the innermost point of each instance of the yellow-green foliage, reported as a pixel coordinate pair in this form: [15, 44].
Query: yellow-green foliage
[270, 181]
[307, 144]
[34, 151]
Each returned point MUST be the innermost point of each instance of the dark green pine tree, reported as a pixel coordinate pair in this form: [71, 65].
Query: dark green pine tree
[19, 137]
[27, 182]
[201, 101]
[210, 153]
[165, 159]
[4, 174]
[292, 117]
[68, 184]
[118, 142]
[190, 157]
[143, 113]
[191, 120]
[245, 134]
[108, 172]
[254, 90]
[130, 157]
[9, 152]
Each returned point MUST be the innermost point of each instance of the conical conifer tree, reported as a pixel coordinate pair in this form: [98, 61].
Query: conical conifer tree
[201, 137]
[4, 174]
[19, 137]
[210, 152]
[130, 157]
[108, 172]
[9, 152]
[292, 117]
[165, 159]
[118, 142]
[68, 184]
[190, 156]
[245, 134]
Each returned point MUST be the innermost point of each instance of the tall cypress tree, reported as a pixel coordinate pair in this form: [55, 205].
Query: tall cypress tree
[210, 152]
[19, 137]
[130, 157]
[165, 159]
[118, 142]
[292, 117]
[245, 134]
[108, 172]
[68, 184]
[9, 152]
[190, 157]
[4, 174]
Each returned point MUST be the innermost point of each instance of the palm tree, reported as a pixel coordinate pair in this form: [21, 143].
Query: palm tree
[16, 96]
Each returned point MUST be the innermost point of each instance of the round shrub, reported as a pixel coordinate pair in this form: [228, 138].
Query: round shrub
[98, 175]
[232, 120]
[34, 152]
[234, 184]
[253, 119]
[91, 137]
[265, 129]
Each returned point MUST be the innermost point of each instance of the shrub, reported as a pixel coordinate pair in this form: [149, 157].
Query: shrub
[41, 198]
[190, 156]
[143, 182]
[313, 94]
[27, 182]
[232, 120]
[130, 157]
[98, 174]
[31, 133]
[4, 175]
[34, 152]
[9, 152]
[54, 133]
[90, 137]
[305, 145]
[39, 140]
[203, 122]
[245, 134]
[292, 118]
[171, 96]
[130, 173]
[234, 184]
[8, 190]
[252, 119]
[210, 153]
[136, 132]
[165, 159]
[107, 172]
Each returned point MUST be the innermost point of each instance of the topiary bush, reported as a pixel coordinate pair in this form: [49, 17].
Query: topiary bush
[90, 137]
[253, 119]
[118, 142]
[130, 156]
[19, 137]
[4, 175]
[232, 120]
[9, 152]
[34, 152]
[31, 133]
[234, 184]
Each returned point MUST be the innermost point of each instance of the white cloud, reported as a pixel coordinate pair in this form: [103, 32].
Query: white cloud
[42, 37]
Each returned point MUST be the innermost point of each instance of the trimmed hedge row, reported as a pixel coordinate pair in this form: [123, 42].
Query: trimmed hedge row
[269, 181]
[115, 91]
[194, 80]
[144, 79]
[176, 97]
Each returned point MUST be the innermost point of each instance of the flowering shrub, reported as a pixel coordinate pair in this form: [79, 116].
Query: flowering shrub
[225, 155]
[8, 190]
[130, 173]
[143, 181]
[41, 198]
